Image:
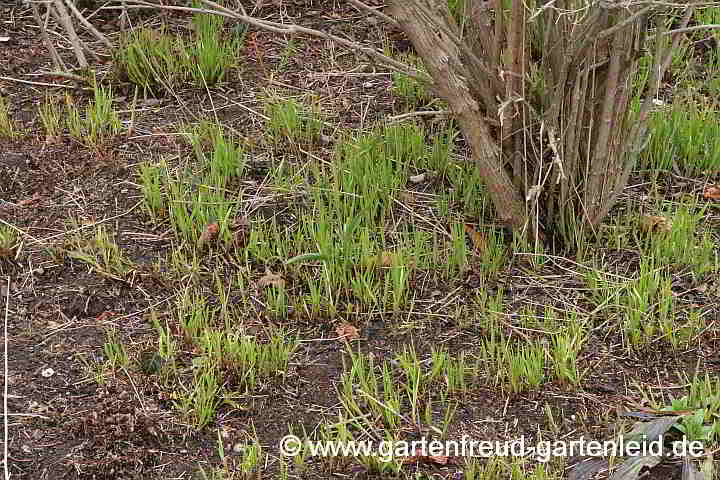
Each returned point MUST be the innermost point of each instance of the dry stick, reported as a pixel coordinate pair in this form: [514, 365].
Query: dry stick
[478, 64]
[367, 8]
[636, 137]
[66, 22]
[124, 18]
[421, 113]
[624, 23]
[7, 374]
[499, 33]
[595, 189]
[87, 24]
[69, 76]
[283, 28]
[442, 59]
[692, 29]
[514, 88]
[483, 39]
[85, 48]
[571, 140]
[39, 84]
[286, 29]
[57, 61]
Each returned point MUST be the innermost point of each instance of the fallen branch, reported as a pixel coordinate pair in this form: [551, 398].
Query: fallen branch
[361, 6]
[423, 113]
[39, 84]
[87, 24]
[67, 25]
[288, 29]
[57, 61]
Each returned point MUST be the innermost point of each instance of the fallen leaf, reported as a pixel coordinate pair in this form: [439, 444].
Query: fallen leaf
[241, 235]
[271, 279]
[104, 316]
[712, 192]
[385, 259]
[29, 201]
[347, 331]
[654, 223]
[240, 238]
[208, 235]
[478, 239]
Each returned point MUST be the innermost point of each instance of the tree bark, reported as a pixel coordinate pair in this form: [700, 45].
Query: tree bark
[442, 56]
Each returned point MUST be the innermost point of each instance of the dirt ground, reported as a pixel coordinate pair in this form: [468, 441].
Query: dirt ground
[65, 425]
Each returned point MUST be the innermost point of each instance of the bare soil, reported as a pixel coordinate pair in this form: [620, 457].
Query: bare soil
[65, 425]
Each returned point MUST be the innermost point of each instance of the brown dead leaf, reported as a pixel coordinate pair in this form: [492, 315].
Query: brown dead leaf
[104, 316]
[389, 258]
[347, 331]
[712, 192]
[479, 241]
[241, 238]
[385, 258]
[654, 223]
[208, 235]
[271, 279]
[241, 232]
[29, 201]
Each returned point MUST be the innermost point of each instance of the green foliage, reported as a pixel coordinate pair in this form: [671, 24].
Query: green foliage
[686, 136]
[211, 54]
[151, 59]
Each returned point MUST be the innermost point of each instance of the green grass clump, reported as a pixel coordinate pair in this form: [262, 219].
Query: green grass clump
[7, 125]
[686, 244]
[687, 136]
[8, 239]
[211, 55]
[292, 121]
[156, 61]
[220, 152]
[197, 196]
[411, 93]
[101, 253]
[51, 116]
[151, 59]
[648, 305]
[99, 120]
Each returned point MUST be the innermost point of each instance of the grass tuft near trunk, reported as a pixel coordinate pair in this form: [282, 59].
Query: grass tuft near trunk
[553, 99]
